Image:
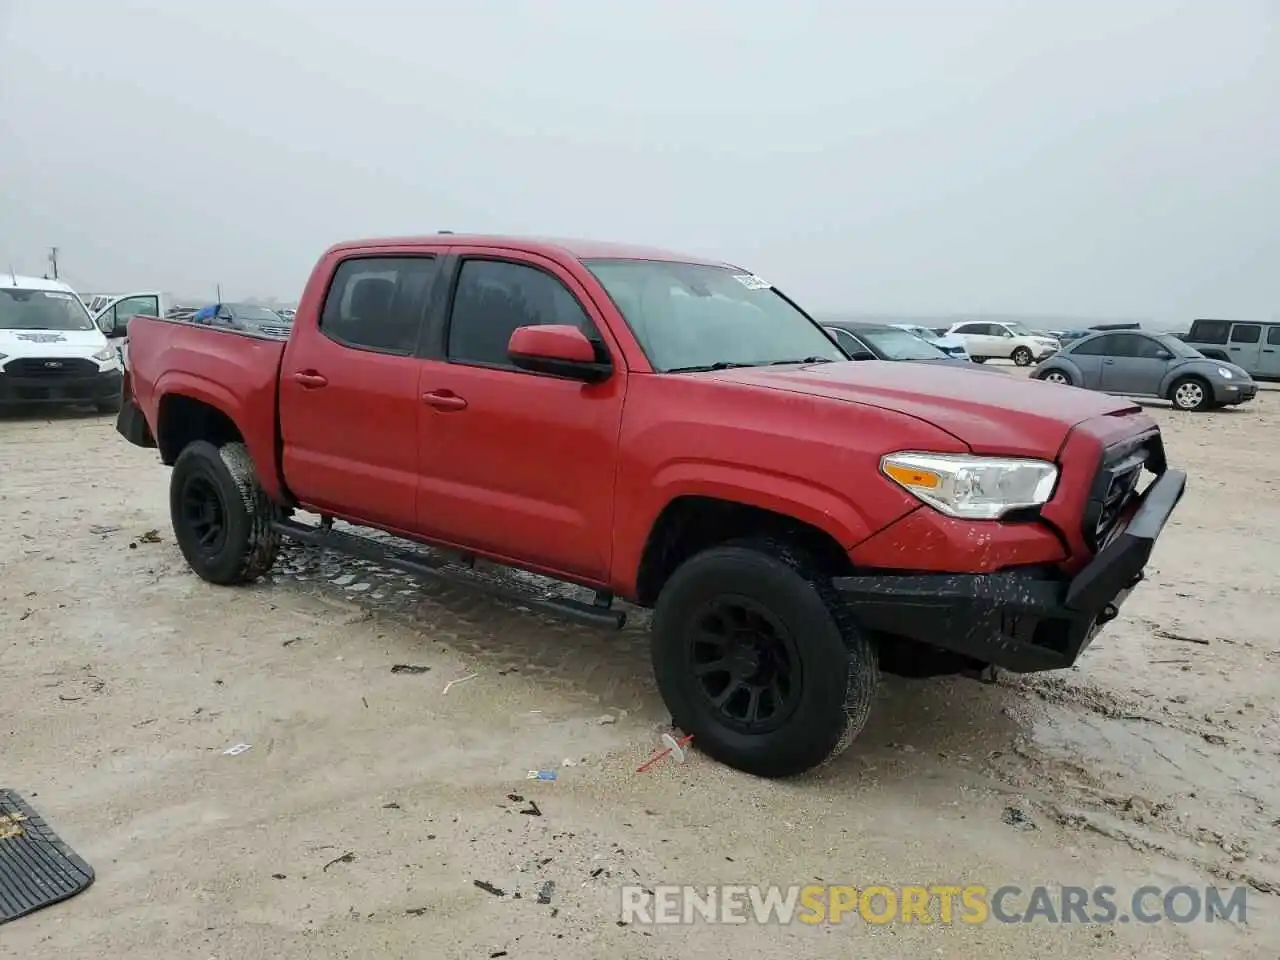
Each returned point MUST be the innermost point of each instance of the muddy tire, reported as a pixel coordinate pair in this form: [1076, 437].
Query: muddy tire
[1191, 393]
[221, 515]
[755, 656]
[1022, 357]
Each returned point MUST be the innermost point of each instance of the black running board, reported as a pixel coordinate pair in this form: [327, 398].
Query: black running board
[421, 565]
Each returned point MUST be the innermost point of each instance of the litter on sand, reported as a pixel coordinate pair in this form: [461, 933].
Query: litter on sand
[470, 676]
[238, 749]
[411, 668]
[671, 747]
[541, 775]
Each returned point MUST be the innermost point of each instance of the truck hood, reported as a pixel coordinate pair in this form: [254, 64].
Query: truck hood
[51, 343]
[1010, 416]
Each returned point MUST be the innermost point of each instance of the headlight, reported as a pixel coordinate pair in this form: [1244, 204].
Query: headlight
[972, 487]
[105, 354]
[1224, 373]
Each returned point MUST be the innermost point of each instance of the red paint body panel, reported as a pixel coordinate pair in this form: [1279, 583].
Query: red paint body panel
[234, 373]
[568, 479]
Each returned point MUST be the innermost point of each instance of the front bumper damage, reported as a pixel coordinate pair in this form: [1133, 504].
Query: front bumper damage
[1021, 620]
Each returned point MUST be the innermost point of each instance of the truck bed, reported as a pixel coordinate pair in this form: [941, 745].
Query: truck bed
[236, 371]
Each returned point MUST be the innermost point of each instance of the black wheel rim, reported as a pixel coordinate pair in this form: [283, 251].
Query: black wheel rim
[745, 665]
[204, 515]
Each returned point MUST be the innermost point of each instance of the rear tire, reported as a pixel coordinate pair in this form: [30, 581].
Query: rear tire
[794, 674]
[978, 359]
[1058, 376]
[1022, 357]
[1191, 394]
[221, 515]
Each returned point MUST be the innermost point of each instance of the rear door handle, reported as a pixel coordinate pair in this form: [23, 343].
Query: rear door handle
[444, 400]
[1108, 361]
[310, 380]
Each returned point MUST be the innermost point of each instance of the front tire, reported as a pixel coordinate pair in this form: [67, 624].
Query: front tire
[221, 515]
[978, 359]
[1059, 377]
[1191, 394]
[1022, 357]
[756, 657]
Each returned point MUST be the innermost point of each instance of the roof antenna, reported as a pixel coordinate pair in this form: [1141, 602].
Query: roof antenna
[13, 276]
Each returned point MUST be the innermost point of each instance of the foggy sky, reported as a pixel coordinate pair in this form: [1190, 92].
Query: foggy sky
[1091, 158]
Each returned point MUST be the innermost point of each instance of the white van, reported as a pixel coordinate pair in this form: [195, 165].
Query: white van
[50, 349]
[112, 316]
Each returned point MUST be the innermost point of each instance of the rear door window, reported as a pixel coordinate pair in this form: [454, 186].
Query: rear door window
[378, 303]
[1246, 333]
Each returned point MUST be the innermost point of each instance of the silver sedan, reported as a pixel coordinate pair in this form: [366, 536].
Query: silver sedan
[1141, 364]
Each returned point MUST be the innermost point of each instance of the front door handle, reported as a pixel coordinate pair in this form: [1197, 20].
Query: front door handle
[1108, 361]
[444, 400]
[310, 380]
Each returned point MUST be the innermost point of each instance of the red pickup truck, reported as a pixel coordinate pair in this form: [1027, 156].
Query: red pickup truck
[676, 433]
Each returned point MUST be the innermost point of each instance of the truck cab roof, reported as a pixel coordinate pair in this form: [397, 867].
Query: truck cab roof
[578, 249]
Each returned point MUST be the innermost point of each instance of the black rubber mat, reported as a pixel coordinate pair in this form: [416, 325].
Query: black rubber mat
[36, 868]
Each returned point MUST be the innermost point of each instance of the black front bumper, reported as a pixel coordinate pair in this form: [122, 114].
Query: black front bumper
[94, 388]
[1019, 620]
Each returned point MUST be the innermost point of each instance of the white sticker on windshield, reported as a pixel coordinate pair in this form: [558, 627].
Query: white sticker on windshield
[752, 282]
[58, 296]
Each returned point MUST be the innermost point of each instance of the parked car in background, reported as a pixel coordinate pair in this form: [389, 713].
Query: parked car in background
[952, 346]
[1149, 365]
[864, 340]
[248, 317]
[50, 350]
[1005, 341]
[1252, 346]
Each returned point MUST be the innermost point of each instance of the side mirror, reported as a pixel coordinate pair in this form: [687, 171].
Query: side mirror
[1163, 355]
[560, 350]
[861, 355]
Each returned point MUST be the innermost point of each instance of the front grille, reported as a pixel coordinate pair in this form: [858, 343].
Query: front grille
[51, 368]
[1116, 484]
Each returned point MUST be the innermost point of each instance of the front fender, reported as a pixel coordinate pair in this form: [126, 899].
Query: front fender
[1203, 371]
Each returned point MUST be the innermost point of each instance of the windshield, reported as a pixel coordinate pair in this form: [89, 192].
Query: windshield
[900, 345]
[1177, 347]
[42, 310]
[1018, 330]
[690, 316]
[260, 314]
[921, 332]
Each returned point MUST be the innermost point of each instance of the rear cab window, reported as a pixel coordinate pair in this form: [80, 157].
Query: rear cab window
[378, 303]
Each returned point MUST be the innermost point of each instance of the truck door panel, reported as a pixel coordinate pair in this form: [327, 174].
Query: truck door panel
[349, 391]
[514, 463]
[1245, 347]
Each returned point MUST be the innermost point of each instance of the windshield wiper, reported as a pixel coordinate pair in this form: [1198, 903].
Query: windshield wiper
[778, 363]
[704, 367]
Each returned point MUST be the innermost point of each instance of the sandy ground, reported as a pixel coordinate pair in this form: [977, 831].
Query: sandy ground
[125, 678]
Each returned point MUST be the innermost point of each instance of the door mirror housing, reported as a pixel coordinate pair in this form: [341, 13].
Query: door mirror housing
[559, 350]
[1163, 355]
